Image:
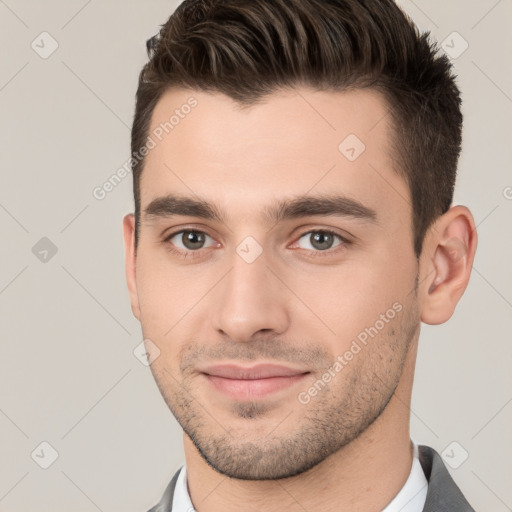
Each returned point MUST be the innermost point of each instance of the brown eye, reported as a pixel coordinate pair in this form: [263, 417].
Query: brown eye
[188, 240]
[320, 240]
[193, 239]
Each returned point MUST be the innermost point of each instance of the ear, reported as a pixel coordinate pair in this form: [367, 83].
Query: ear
[130, 258]
[447, 261]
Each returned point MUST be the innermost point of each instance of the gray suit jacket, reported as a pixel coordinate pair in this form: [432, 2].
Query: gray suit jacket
[443, 495]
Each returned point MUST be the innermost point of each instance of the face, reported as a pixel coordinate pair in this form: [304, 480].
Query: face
[275, 274]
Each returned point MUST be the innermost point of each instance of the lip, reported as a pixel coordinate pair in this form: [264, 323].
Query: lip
[250, 383]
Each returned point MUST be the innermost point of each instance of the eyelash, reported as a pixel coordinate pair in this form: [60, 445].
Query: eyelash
[314, 254]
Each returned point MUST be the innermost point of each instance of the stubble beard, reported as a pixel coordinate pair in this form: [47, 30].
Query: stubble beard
[301, 436]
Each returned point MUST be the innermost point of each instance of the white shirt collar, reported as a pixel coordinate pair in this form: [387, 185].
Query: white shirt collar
[181, 501]
[410, 498]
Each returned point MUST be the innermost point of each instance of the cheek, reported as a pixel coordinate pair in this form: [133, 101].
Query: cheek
[164, 294]
[173, 301]
[345, 300]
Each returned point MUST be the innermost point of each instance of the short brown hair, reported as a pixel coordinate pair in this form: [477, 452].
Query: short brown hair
[248, 49]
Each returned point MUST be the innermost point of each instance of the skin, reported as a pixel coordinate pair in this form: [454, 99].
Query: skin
[295, 304]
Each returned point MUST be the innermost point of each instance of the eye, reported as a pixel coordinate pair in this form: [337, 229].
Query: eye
[188, 240]
[320, 240]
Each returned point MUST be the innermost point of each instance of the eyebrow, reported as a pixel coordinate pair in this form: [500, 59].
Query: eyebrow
[293, 208]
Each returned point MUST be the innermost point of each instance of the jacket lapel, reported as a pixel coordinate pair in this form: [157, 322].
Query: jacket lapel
[443, 494]
[165, 504]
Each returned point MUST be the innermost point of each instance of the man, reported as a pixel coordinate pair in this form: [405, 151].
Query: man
[294, 165]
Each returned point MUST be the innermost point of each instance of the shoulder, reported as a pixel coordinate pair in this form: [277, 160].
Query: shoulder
[443, 494]
[165, 504]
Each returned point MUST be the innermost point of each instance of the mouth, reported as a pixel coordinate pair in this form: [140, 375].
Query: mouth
[252, 383]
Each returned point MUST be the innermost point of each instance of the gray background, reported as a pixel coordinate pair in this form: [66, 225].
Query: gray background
[68, 375]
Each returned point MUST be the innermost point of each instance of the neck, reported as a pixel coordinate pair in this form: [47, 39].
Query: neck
[364, 476]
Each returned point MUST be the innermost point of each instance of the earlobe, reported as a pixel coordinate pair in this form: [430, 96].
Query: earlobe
[450, 260]
[130, 260]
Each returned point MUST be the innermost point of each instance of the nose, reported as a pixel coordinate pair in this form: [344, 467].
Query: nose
[251, 300]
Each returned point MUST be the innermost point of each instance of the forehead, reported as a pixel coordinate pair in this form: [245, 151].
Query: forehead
[290, 143]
